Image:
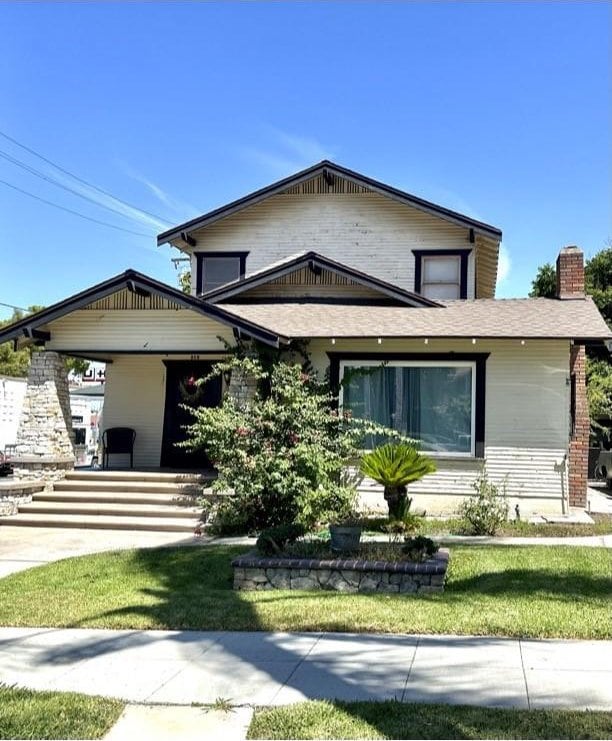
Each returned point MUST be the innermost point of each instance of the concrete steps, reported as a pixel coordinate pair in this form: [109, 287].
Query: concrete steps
[102, 522]
[107, 508]
[117, 500]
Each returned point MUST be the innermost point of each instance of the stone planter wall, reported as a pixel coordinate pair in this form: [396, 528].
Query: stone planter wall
[13, 493]
[403, 577]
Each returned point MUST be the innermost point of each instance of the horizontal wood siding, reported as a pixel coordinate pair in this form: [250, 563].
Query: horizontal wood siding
[134, 397]
[143, 331]
[527, 417]
[364, 230]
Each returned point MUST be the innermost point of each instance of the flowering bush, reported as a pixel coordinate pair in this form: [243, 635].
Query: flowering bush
[284, 453]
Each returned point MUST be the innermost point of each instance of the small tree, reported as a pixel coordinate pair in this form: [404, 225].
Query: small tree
[284, 453]
[395, 465]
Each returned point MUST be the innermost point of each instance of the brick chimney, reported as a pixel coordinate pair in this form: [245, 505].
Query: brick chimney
[570, 273]
[570, 286]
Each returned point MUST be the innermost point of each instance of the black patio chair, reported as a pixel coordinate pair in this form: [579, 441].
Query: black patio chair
[116, 441]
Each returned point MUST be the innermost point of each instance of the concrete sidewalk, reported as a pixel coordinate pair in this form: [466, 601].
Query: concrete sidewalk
[184, 667]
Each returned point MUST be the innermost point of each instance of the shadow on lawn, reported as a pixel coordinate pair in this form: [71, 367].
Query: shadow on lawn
[193, 590]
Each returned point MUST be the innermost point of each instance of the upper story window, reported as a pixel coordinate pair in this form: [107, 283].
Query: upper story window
[441, 274]
[215, 269]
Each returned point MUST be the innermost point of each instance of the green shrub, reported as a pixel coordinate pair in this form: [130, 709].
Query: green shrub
[485, 510]
[395, 465]
[284, 453]
[272, 541]
[419, 548]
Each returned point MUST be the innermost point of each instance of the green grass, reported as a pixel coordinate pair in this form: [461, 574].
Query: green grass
[400, 720]
[558, 591]
[27, 714]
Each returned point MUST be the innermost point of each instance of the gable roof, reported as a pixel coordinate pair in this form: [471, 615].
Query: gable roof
[329, 169]
[315, 261]
[137, 283]
[526, 318]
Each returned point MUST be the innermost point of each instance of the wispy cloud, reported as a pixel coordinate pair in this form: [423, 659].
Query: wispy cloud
[285, 152]
[183, 209]
[504, 265]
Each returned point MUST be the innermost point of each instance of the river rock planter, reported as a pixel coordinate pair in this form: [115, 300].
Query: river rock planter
[252, 572]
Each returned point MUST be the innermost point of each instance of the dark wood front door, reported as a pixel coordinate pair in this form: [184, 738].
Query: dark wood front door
[182, 389]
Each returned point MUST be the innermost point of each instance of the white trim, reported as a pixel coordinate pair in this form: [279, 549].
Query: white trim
[356, 363]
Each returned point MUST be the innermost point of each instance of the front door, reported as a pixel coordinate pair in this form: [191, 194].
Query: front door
[181, 388]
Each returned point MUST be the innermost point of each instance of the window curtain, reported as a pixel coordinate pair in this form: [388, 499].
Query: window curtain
[430, 404]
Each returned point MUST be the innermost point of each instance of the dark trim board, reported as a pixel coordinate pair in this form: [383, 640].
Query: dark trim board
[328, 169]
[463, 278]
[199, 256]
[162, 353]
[480, 359]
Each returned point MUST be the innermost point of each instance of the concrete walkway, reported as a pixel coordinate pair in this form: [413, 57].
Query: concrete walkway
[184, 667]
[24, 547]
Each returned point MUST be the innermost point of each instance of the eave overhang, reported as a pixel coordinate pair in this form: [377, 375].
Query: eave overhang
[327, 169]
[132, 280]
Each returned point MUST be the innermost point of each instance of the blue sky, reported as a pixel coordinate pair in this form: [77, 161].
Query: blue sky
[498, 110]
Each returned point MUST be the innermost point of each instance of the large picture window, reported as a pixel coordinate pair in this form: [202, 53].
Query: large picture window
[431, 401]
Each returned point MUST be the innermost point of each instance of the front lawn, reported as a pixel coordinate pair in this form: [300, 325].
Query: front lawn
[400, 720]
[27, 714]
[492, 590]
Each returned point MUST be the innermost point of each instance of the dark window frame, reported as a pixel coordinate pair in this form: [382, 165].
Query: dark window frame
[464, 254]
[480, 360]
[201, 256]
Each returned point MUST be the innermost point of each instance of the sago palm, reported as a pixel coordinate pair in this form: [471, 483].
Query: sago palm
[395, 465]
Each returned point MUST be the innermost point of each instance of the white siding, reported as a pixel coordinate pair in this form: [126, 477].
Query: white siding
[134, 396]
[142, 330]
[366, 231]
[526, 430]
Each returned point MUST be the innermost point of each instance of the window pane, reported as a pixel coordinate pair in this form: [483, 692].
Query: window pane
[441, 269]
[431, 404]
[440, 290]
[219, 270]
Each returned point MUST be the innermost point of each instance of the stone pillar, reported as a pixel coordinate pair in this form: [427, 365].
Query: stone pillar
[578, 456]
[45, 441]
[242, 387]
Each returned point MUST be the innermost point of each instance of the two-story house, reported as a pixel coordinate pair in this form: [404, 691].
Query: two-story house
[371, 277]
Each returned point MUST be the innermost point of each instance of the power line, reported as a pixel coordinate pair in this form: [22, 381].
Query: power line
[75, 213]
[81, 180]
[10, 306]
[53, 181]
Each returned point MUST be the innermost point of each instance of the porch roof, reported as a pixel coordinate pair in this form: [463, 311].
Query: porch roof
[535, 318]
[29, 329]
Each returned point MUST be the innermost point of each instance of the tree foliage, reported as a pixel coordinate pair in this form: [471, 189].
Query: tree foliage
[15, 363]
[545, 282]
[284, 454]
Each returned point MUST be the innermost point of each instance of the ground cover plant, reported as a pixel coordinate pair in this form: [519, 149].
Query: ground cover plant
[397, 720]
[492, 590]
[602, 525]
[26, 714]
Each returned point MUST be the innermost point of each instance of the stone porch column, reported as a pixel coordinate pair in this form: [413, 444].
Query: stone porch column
[45, 440]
